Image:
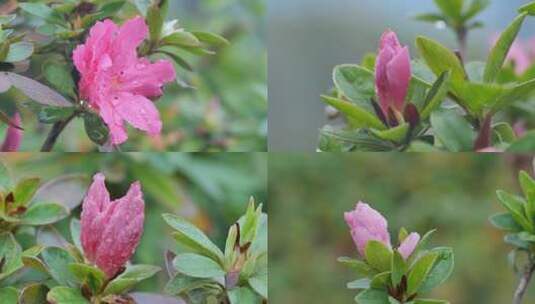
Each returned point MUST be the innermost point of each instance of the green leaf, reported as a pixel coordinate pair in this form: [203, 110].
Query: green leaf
[242, 295]
[25, 190]
[356, 83]
[155, 21]
[58, 261]
[259, 282]
[515, 240]
[88, 275]
[249, 223]
[476, 7]
[525, 144]
[360, 116]
[43, 11]
[378, 255]
[517, 93]
[95, 128]
[10, 251]
[440, 59]
[420, 271]
[359, 284]
[49, 115]
[396, 134]
[33, 294]
[174, 54]
[452, 130]
[19, 51]
[505, 132]
[505, 221]
[181, 38]
[211, 39]
[66, 295]
[399, 268]
[5, 178]
[528, 187]
[381, 280]
[60, 77]
[75, 228]
[436, 94]
[441, 270]
[372, 296]
[35, 90]
[197, 266]
[361, 267]
[515, 205]
[192, 237]
[9, 295]
[130, 277]
[451, 8]
[500, 50]
[528, 8]
[44, 214]
[429, 17]
[333, 139]
[181, 284]
[67, 190]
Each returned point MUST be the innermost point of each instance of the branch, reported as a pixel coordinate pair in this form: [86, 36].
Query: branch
[57, 129]
[524, 282]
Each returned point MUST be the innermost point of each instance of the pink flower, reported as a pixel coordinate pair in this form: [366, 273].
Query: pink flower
[392, 73]
[368, 224]
[118, 84]
[408, 245]
[13, 136]
[111, 230]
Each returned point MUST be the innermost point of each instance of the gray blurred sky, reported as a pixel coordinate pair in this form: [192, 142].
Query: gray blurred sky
[307, 38]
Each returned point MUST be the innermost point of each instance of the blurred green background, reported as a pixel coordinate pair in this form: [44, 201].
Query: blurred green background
[307, 38]
[454, 193]
[211, 190]
[225, 107]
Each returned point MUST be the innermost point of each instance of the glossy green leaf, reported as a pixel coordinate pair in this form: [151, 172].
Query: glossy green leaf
[399, 268]
[58, 261]
[378, 255]
[43, 11]
[211, 39]
[44, 214]
[372, 296]
[50, 115]
[515, 205]
[64, 295]
[360, 116]
[35, 90]
[420, 271]
[361, 267]
[11, 252]
[505, 132]
[526, 144]
[19, 51]
[452, 130]
[356, 83]
[60, 77]
[436, 95]
[25, 190]
[396, 134]
[430, 301]
[192, 237]
[9, 295]
[242, 295]
[88, 275]
[130, 277]
[181, 284]
[451, 8]
[33, 294]
[528, 8]
[440, 59]
[197, 266]
[505, 221]
[95, 128]
[441, 269]
[181, 38]
[500, 50]
[359, 284]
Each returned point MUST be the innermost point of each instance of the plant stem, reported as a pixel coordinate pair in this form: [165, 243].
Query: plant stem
[462, 35]
[524, 282]
[56, 130]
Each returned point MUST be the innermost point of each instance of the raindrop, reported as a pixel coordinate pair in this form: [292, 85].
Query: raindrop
[440, 25]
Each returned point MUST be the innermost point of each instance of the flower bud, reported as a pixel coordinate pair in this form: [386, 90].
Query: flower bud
[408, 245]
[111, 230]
[392, 73]
[367, 224]
[13, 136]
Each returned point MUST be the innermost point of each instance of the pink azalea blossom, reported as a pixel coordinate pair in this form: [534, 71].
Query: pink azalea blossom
[111, 230]
[392, 73]
[13, 136]
[368, 224]
[116, 82]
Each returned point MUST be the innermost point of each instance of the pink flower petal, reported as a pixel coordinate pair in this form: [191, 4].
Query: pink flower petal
[13, 137]
[140, 112]
[367, 224]
[408, 245]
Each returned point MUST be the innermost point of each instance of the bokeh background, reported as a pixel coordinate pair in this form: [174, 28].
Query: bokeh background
[210, 190]
[454, 193]
[307, 38]
[225, 109]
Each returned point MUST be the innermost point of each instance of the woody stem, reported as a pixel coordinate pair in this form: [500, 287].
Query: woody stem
[524, 282]
[55, 132]
[462, 35]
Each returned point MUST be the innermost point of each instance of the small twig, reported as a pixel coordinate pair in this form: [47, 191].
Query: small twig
[55, 132]
[524, 282]
[462, 37]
